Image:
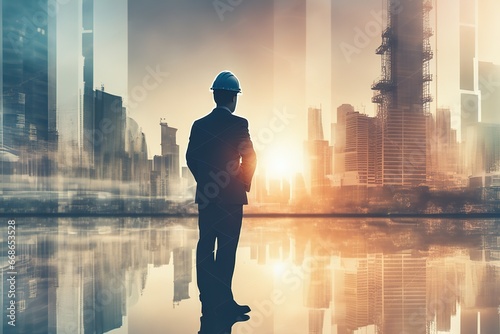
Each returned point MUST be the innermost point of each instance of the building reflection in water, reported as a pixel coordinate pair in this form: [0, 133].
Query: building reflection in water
[387, 277]
[299, 276]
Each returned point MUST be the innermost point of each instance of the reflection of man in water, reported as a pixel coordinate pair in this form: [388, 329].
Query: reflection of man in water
[221, 157]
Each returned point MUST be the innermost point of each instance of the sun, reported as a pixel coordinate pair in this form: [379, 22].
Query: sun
[282, 162]
[278, 165]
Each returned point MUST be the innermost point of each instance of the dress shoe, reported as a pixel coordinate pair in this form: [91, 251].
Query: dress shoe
[232, 309]
[240, 309]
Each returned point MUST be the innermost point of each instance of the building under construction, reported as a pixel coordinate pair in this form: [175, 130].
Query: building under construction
[403, 94]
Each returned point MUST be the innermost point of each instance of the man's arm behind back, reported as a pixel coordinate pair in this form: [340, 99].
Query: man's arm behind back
[248, 156]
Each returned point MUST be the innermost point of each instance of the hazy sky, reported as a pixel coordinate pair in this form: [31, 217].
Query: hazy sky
[288, 55]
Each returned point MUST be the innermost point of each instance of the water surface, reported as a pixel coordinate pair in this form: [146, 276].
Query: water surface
[318, 275]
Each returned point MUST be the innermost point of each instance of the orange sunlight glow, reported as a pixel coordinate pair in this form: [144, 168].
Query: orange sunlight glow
[282, 162]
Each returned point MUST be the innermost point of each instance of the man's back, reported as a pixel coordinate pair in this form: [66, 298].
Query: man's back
[221, 157]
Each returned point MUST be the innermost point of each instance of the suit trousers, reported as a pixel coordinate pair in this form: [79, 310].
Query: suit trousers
[219, 223]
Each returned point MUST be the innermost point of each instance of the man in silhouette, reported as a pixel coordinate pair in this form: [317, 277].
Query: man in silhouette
[221, 157]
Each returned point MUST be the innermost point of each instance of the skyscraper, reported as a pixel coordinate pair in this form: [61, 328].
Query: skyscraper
[299, 195]
[170, 148]
[87, 158]
[404, 293]
[431, 145]
[442, 290]
[108, 136]
[290, 54]
[319, 53]
[314, 125]
[167, 165]
[340, 137]
[403, 94]
[479, 99]
[318, 290]
[358, 308]
[470, 95]
[91, 54]
[318, 155]
[359, 149]
[489, 79]
[27, 105]
[443, 133]
[446, 154]
[137, 149]
[183, 263]
[482, 149]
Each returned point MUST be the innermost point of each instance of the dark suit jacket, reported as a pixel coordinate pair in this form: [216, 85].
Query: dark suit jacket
[221, 157]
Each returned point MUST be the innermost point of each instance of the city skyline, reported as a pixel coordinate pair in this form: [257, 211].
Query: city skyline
[112, 37]
[349, 81]
[87, 131]
[283, 140]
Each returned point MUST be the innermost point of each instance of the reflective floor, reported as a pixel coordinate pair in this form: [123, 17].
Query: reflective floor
[137, 275]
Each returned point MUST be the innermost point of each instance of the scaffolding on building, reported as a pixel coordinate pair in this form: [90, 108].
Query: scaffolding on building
[385, 84]
[398, 105]
[427, 56]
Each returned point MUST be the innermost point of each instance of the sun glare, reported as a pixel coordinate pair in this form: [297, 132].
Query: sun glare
[279, 268]
[282, 162]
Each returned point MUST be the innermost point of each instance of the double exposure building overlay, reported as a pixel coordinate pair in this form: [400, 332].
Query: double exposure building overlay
[53, 121]
[165, 177]
[83, 132]
[28, 135]
[402, 94]
[87, 112]
[318, 154]
[480, 123]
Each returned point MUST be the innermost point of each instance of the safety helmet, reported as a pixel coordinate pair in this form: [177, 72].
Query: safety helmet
[226, 80]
